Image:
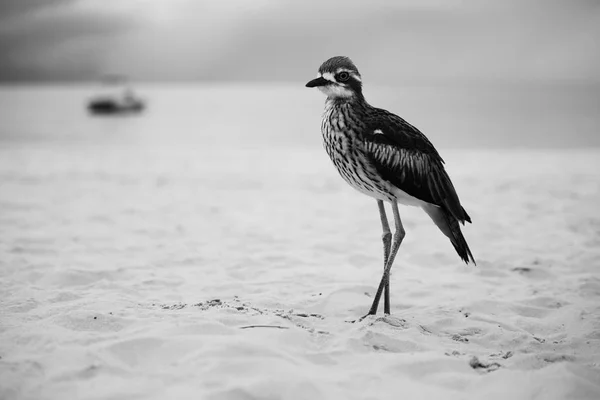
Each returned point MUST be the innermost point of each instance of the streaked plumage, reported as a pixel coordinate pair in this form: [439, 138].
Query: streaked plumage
[383, 156]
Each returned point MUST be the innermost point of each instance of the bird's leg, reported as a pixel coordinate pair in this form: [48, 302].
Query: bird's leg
[386, 237]
[385, 279]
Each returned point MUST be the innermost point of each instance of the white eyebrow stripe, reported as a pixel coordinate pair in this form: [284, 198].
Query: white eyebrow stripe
[329, 76]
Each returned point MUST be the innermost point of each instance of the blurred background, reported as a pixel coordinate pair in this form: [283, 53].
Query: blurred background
[468, 73]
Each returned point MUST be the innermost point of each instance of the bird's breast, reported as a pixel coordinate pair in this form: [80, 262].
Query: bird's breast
[338, 128]
[347, 152]
[338, 138]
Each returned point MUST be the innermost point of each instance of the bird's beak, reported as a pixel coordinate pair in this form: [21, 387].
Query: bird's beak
[320, 81]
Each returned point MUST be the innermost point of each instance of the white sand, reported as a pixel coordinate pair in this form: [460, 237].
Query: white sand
[111, 258]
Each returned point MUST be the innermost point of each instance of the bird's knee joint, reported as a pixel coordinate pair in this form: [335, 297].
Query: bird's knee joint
[400, 233]
[386, 236]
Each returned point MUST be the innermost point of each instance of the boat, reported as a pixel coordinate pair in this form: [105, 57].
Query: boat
[115, 106]
[114, 103]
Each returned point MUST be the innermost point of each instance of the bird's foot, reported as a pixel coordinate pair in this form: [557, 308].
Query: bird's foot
[363, 318]
[395, 322]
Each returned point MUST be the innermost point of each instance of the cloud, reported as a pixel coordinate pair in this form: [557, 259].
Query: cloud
[56, 39]
[11, 9]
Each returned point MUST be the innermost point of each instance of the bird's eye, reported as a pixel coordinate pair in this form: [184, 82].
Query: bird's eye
[343, 76]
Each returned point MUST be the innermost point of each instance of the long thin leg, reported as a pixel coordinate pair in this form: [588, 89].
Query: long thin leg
[385, 279]
[386, 237]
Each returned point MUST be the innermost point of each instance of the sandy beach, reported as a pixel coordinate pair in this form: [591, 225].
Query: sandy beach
[166, 269]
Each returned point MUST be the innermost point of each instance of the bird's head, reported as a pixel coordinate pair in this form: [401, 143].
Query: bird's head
[338, 78]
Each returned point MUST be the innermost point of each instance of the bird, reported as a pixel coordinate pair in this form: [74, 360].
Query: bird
[383, 156]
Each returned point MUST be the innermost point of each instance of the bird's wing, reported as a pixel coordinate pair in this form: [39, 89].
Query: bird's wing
[407, 159]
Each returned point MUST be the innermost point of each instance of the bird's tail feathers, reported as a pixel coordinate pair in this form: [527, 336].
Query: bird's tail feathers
[449, 225]
[466, 216]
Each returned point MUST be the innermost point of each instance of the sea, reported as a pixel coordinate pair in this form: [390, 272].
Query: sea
[227, 116]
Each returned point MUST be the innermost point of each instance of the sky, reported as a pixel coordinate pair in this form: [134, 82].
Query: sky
[392, 42]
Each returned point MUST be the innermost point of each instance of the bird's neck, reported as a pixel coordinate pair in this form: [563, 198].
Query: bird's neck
[357, 100]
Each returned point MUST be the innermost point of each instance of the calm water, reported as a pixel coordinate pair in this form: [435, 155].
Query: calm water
[244, 116]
